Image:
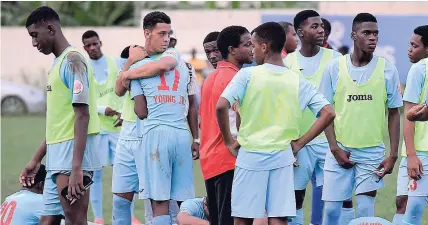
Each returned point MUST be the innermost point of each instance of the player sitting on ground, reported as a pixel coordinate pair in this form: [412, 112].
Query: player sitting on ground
[26, 205]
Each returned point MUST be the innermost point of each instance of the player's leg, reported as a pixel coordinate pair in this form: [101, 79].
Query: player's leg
[334, 194]
[317, 203]
[97, 186]
[148, 212]
[173, 210]
[124, 182]
[402, 190]
[302, 176]
[415, 209]
[212, 200]
[249, 203]
[52, 209]
[348, 212]
[280, 198]
[75, 214]
[223, 192]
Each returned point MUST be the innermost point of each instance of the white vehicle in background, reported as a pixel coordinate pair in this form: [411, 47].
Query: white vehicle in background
[21, 99]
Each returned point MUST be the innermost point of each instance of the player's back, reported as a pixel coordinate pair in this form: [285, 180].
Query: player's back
[166, 95]
[22, 208]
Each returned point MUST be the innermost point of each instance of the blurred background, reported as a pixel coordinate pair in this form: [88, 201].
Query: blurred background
[119, 24]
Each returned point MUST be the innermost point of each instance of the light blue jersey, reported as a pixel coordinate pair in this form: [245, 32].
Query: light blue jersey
[194, 207]
[310, 65]
[22, 208]
[261, 160]
[415, 82]
[166, 95]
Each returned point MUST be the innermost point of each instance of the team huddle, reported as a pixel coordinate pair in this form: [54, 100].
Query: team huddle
[271, 117]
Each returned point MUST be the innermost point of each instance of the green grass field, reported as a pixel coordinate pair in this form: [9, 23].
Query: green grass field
[21, 136]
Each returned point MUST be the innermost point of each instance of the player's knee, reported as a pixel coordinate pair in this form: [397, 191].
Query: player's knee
[160, 208]
[128, 196]
[347, 204]
[370, 193]
[332, 211]
[300, 196]
[401, 204]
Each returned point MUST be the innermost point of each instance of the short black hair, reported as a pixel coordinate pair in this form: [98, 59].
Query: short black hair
[125, 52]
[153, 18]
[363, 17]
[89, 34]
[302, 16]
[327, 25]
[285, 26]
[271, 33]
[42, 14]
[40, 176]
[211, 37]
[230, 36]
[423, 32]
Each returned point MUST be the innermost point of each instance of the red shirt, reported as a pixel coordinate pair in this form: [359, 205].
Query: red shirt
[214, 157]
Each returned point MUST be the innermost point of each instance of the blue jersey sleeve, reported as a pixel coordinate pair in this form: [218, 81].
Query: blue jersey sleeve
[415, 82]
[136, 88]
[328, 82]
[393, 86]
[74, 74]
[235, 90]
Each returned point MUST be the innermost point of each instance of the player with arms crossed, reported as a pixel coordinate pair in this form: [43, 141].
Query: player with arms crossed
[412, 175]
[359, 86]
[72, 123]
[310, 62]
[165, 165]
[418, 51]
[15, 209]
[271, 99]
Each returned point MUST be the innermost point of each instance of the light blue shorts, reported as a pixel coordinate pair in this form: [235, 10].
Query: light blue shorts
[107, 147]
[51, 199]
[416, 188]
[255, 193]
[403, 180]
[59, 156]
[165, 165]
[340, 183]
[311, 158]
[125, 176]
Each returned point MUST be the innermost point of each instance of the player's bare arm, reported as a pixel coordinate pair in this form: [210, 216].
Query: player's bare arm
[418, 113]
[81, 122]
[192, 118]
[140, 106]
[151, 69]
[414, 164]
[387, 165]
[222, 109]
[26, 178]
[327, 116]
[183, 218]
[339, 154]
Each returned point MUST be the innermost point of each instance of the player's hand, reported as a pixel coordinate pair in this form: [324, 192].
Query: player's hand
[75, 184]
[26, 178]
[118, 122]
[414, 167]
[111, 112]
[386, 166]
[296, 146]
[342, 158]
[195, 150]
[416, 112]
[233, 148]
[123, 76]
[137, 53]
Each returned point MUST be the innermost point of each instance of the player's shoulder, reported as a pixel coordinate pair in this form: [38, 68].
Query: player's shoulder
[75, 56]
[390, 67]
[421, 65]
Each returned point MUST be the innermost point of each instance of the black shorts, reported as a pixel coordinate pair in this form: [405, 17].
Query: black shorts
[219, 194]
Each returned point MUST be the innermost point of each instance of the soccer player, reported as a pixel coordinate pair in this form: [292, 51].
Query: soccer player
[217, 164]
[72, 123]
[411, 181]
[165, 164]
[106, 69]
[291, 41]
[310, 62]
[360, 86]
[271, 99]
[194, 212]
[210, 48]
[327, 31]
[15, 209]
